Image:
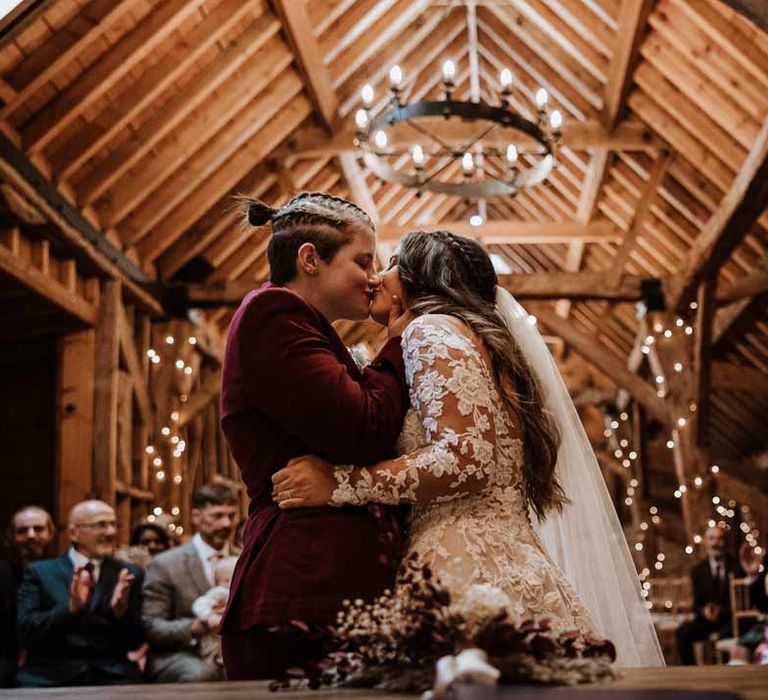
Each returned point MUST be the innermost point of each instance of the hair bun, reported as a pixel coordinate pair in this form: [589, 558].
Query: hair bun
[260, 213]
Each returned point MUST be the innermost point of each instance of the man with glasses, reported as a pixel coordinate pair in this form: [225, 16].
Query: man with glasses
[28, 538]
[80, 615]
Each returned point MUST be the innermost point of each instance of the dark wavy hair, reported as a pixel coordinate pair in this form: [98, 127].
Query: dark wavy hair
[442, 273]
[310, 217]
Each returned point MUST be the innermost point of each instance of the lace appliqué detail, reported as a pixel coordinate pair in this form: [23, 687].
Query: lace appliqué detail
[462, 469]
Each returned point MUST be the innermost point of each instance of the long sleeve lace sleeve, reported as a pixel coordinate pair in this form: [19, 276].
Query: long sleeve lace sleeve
[453, 393]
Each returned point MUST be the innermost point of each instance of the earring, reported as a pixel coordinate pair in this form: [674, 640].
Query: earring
[312, 271]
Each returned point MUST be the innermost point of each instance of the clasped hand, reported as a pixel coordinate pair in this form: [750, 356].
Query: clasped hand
[303, 483]
[82, 585]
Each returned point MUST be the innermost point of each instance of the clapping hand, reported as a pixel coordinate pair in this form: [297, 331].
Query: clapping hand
[120, 594]
[750, 561]
[80, 589]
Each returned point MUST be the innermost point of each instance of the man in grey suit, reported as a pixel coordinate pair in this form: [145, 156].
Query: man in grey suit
[175, 578]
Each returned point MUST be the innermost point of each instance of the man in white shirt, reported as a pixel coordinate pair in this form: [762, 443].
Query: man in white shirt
[80, 615]
[176, 578]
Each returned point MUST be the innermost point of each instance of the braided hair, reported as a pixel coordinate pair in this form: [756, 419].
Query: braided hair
[443, 273]
[326, 221]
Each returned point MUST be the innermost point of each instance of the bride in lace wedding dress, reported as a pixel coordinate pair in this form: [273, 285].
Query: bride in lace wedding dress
[500, 479]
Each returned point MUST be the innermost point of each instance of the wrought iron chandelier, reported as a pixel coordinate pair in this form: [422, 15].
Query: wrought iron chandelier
[491, 165]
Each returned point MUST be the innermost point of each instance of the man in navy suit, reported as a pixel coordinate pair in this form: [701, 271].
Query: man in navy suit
[80, 615]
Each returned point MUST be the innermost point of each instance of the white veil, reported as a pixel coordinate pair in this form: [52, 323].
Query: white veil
[586, 540]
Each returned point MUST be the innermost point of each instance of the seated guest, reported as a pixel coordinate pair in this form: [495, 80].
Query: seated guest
[752, 643]
[210, 607]
[711, 595]
[29, 538]
[151, 536]
[179, 576]
[80, 615]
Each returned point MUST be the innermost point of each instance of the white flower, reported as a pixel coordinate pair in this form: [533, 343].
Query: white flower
[481, 602]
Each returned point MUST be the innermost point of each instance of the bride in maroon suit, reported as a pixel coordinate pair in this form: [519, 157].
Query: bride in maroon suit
[290, 387]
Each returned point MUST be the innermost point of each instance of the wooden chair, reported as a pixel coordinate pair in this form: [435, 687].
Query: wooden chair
[741, 609]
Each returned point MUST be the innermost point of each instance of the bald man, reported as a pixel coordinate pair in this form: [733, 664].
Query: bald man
[29, 538]
[80, 614]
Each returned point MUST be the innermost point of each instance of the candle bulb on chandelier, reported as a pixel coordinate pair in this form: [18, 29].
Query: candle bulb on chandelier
[417, 153]
[512, 155]
[395, 77]
[468, 163]
[449, 73]
[367, 95]
[542, 97]
[556, 120]
[380, 139]
[361, 119]
[505, 78]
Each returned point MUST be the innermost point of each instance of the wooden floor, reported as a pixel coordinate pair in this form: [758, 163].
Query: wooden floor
[750, 682]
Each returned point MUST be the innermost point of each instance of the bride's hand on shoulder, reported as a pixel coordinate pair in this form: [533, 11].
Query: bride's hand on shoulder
[304, 482]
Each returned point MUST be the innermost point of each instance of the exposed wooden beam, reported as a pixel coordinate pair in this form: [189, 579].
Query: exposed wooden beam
[361, 193]
[738, 315]
[105, 394]
[597, 171]
[754, 10]
[633, 17]
[133, 363]
[581, 136]
[113, 66]
[21, 18]
[302, 39]
[239, 53]
[207, 392]
[124, 108]
[514, 231]
[749, 286]
[729, 375]
[585, 345]
[538, 285]
[642, 213]
[737, 213]
[17, 169]
[702, 358]
[41, 282]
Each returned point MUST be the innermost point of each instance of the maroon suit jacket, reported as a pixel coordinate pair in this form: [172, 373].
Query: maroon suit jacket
[290, 387]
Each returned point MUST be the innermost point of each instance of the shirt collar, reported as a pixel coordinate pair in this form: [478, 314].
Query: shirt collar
[205, 551]
[79, 560]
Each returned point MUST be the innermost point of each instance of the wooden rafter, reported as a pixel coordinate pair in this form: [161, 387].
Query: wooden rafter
[633, 17]
[628, 136]
[498, 232]
[302, 39]
[642, 214]
[51, 121]
[584, 344]
[538, 285]
[749, 286]
[597, 171]
[741, 207]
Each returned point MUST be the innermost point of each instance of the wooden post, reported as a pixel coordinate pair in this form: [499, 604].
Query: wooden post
[105, 394]
[74, 468]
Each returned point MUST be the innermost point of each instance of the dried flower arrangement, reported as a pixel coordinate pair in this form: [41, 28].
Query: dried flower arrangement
[396, 642]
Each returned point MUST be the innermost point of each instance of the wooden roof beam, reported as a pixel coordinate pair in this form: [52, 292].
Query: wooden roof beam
[734, 218]
[515, 231]
[584, 344]
[302, 39]
[629, 136]
[110, 68]
[633, 18]
[536, 286]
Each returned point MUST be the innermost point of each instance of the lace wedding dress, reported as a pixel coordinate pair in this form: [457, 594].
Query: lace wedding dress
[462, 469]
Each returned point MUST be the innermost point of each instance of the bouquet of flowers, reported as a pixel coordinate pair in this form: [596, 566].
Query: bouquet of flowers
[406, 641]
